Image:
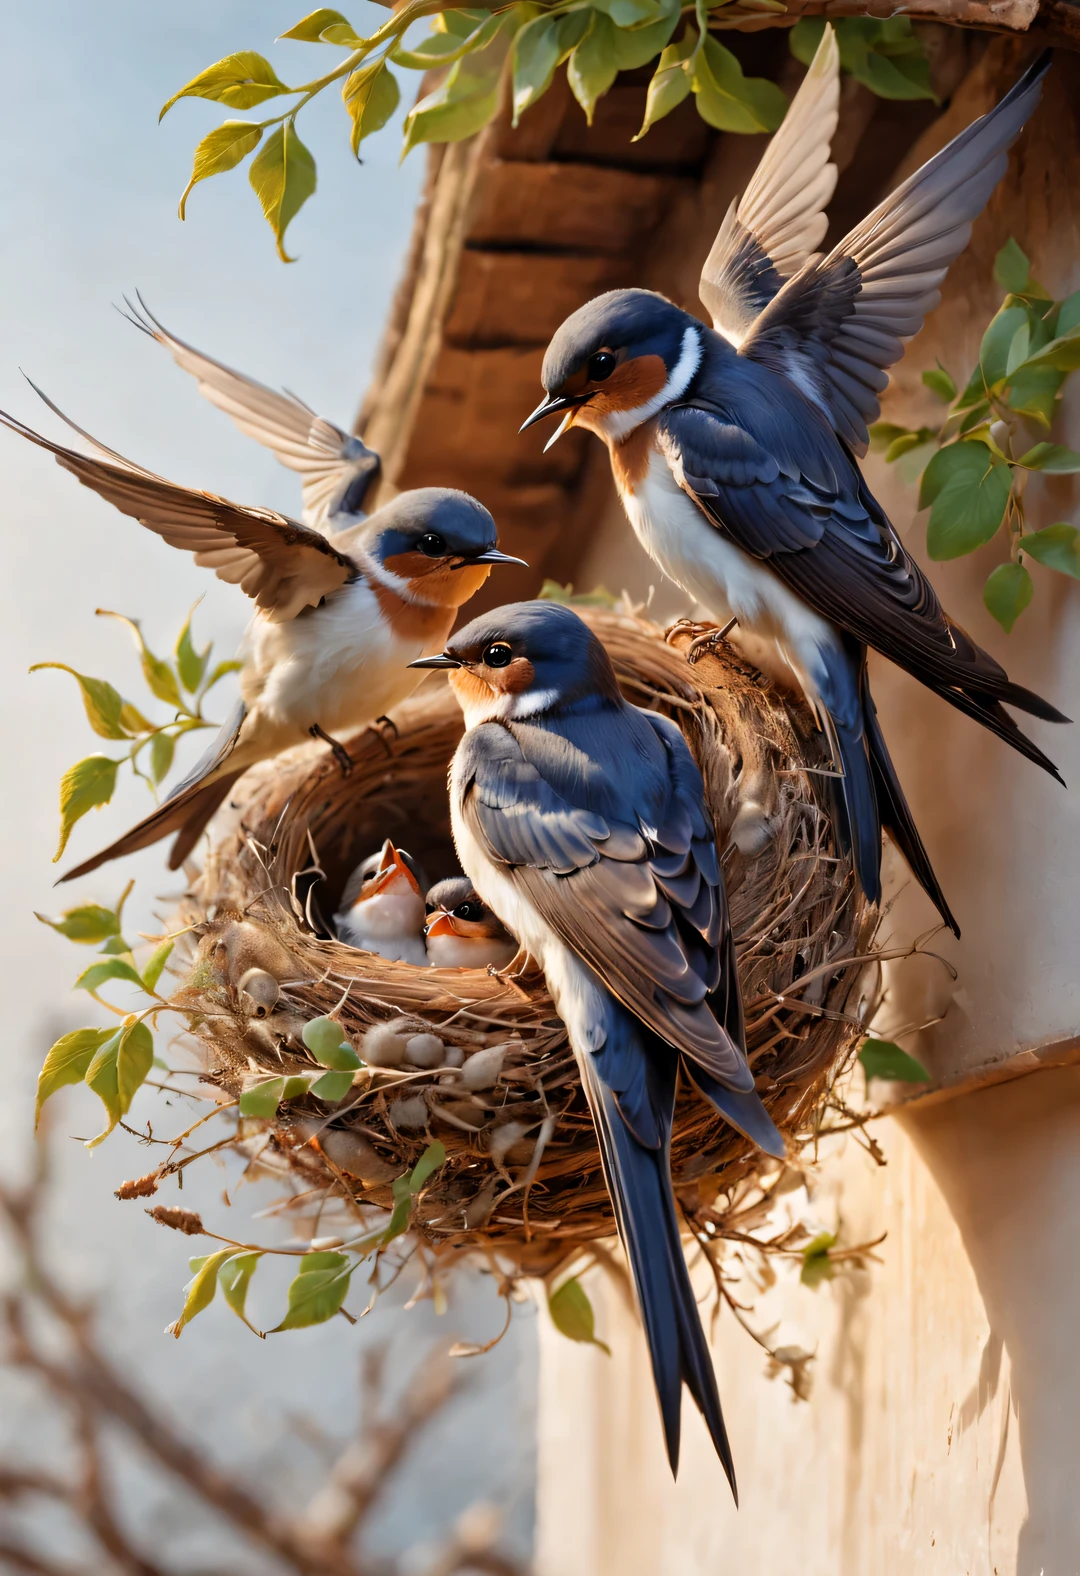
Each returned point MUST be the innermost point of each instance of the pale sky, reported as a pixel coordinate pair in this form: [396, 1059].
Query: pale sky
[90, 186]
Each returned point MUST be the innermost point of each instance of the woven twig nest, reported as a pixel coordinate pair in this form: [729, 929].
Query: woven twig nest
[522, 1179]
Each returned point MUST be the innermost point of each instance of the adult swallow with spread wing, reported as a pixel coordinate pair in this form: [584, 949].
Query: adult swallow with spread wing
[337, 470]
[582, 824]
[336, 622]
[382, 907]
[735, 449]
[461, 931]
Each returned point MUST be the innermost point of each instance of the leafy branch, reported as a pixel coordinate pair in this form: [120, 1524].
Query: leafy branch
[976, 465]
[521, 44]
[182, 684]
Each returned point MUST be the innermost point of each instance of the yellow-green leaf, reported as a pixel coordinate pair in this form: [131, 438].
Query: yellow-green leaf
[220, 150]
[326, 27]
[318, 1291]
[241, 81]
[156, 963]
[1010, 324]
[190, 664]
[97, 974]
[103, 704]
[537, 52]
[730, 101]
[593, 67]
[572, 1314]
[68, 1061]
[1053, 458]
[817, 1265]
[160, 678]
[262, 1099]
[332, 1086]
[371, 95]
[88, 925]
[443, 47]
[468, 98]
[1011, 268]
[283, 178]
[1055, 547]
[117, 1072]
[162, 746]
[1006, 594]
[200, 1291]
[231, 666]
[940, 383]
[133, 720]
[636, 46]
[85, 786]
[234, 1277]
[671, 80]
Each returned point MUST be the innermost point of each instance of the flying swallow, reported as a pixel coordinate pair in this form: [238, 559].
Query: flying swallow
[382, 907]
[337, 470]
[581, 822]
[461, 931]
[735, 448]
[336, 623]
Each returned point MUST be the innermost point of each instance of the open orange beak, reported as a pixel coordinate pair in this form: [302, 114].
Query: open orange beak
[442, 924]
[391, 865]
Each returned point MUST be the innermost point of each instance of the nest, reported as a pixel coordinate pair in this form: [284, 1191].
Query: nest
[522, 1180]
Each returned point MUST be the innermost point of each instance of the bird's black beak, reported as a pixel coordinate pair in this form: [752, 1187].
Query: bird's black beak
[495, 556]
[551, 405]
[443, 661]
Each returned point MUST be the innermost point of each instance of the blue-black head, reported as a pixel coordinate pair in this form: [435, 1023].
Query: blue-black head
[436, 541]
[618, 360]
[529, 659]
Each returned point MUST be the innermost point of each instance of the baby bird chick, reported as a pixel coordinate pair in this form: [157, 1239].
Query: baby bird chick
[382, 907]
[462, 932]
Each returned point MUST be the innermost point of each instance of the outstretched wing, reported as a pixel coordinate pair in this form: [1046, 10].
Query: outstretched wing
[839, 322]
[282, 565]
[643, 906]
[336, 468]
[771, 231]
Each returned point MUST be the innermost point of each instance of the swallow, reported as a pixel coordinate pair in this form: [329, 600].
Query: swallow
[581, 822]
[735, 449]
[337, 470]
[336, 623]
[461, 931]
[382, 907]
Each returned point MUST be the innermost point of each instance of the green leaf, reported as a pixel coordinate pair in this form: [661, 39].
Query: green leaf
[220, 150]
[671, 81]
[296, 1086]
[117, 1072]
[332, 1086]
[1062, 353]
[905, 443]
[116, 947]
[967, 488]
[405, 1188]
[200, 1291]
[728, 100]
[326, 1042]
[103, 704]
[883, 1059]
[1006, 594]
[68, 1061]
[593, 67]
[885, 433]
[572, 1314]
[84, 786]
[234, 1277]
[1055, 547]
[133, 720]
[190, 664]
[162, 746]
[632, 13]
[468, 97]
[262, 1099]
[886, 55]
[88, 925]
[222, 669]
[805, 36]
[816, 1263]
[938, 381]
[371, 95]
[1068, 315]
[635, 47]
[241, 81]
[433, 1157]
[95, 976]
[326, 27]
[1053, 458]
[1011, 268]
[160, 678]
[997, 342]
[537, 51]
[156, 963]
[318, 1291]
[283, 178]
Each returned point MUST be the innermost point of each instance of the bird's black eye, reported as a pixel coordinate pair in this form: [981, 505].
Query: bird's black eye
[601, 366]
[467, 911]
[499, 655]
[432, 545]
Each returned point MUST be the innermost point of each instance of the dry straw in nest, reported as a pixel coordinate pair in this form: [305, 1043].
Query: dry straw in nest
[522, 1179]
